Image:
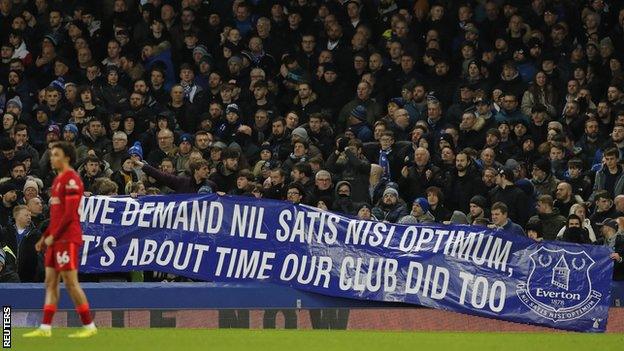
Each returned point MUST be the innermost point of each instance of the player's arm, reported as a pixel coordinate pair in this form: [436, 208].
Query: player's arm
[71, 201]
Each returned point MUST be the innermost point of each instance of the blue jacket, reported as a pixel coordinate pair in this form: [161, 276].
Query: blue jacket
[513, 228]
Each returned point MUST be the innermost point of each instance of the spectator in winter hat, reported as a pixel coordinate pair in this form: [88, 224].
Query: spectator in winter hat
[420, 213]
[478, 207]
[53, 134]
[390, 207]
[357, 122]
[543, 180]
[136, 151]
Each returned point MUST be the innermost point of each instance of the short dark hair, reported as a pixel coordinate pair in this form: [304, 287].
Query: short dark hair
[501, 206]
[573, 216]
[69, 151]
[304, 168]
[612, 152]
[195, 165]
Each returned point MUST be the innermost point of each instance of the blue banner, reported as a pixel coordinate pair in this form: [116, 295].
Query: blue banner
[467, 269]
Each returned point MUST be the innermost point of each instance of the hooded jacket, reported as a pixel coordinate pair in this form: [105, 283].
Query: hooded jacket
[353, 169]
[551, 223]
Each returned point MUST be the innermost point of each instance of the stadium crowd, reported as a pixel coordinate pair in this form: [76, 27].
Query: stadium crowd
[507, 113]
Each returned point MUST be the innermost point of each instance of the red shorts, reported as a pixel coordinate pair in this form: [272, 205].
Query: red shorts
[62, 256]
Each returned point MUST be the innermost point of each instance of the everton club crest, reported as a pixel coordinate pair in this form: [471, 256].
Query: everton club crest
[559, 286]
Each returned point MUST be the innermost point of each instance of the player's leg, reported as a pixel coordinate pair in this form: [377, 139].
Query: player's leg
[70, 278]
[52, 291]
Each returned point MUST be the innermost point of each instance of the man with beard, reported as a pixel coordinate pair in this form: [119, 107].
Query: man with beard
[478, 206]
[616, 142]
[139, 109]
[489, 178]
[463, 184]
[572, 119]
[321, 133]
[279, 140]
[605, 118]
[390, 208]
[18, 174]
[588, 143]
[226, 174]
[415, 100]
[564, 198]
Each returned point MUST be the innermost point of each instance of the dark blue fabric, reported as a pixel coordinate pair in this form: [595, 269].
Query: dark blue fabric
[467, 269]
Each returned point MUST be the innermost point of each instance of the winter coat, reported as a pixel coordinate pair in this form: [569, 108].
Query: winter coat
[390, 214]
[551, 224]
[516, 200]
[601, 179]
[355, 170]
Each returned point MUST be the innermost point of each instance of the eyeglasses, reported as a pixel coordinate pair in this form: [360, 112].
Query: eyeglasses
[293, 193]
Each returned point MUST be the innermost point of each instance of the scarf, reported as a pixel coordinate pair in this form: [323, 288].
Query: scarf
[384, 163]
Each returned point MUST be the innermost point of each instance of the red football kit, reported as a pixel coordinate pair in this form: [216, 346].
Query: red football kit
[64, 226]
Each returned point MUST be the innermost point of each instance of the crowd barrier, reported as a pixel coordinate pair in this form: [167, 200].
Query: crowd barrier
[254, 305]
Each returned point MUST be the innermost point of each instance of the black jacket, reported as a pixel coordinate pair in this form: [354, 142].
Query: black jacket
[8, 273]
[29, 261]
[355, 170]
[224, 180]
[459, 190]
[416, 182]
[516, 200]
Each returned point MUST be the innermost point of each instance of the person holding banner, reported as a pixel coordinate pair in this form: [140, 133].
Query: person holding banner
[613, 238]
[182, 184]
[62, 240]
[501, 220]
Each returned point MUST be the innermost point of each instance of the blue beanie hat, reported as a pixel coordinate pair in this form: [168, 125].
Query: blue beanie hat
[359, 112]
[136, 149]
[70, 127]
[423, 203]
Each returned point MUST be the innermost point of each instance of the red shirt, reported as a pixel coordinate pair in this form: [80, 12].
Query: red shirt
[65, 196]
